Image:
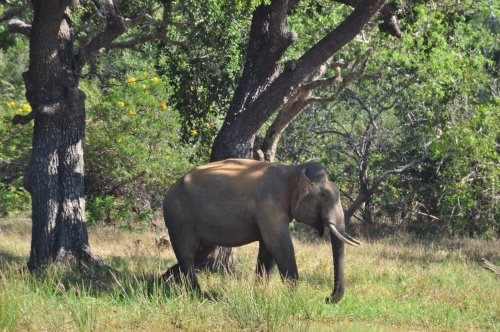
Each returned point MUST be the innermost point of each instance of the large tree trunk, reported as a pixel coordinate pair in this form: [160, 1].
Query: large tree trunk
[54, 176]
[269, 39]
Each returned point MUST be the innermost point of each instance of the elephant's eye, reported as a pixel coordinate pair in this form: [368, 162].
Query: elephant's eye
[324, 195]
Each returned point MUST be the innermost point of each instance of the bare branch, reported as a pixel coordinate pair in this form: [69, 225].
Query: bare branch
[116, 26]
[396, 170]
[331, 131]
[22, 119]
[17, 26]
[94, 8]
[137, 40]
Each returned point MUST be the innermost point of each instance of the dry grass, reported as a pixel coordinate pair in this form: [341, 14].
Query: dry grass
[393, 284]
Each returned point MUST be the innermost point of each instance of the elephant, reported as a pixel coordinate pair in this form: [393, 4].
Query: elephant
[238, 201]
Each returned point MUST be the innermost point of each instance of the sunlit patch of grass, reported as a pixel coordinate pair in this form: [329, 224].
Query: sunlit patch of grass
[392, 284]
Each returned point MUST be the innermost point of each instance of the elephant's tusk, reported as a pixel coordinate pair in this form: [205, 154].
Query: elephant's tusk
[341, 237]
[347, 236]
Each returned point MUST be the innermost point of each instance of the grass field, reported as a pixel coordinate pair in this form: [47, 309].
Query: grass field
[393, 284]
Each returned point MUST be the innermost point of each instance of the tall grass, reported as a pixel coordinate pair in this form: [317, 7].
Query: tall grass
[393, 284]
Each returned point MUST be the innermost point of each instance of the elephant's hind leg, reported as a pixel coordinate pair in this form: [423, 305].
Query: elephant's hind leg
[265, 262]
[185, 247]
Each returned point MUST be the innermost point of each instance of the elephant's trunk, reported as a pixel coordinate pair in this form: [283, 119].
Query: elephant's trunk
[339, 238]
[338, 269]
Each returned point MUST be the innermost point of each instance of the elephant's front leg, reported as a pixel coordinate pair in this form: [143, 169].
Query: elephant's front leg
[278, 242]
[265, 261]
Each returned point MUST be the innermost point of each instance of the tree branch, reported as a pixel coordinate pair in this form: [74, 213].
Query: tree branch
[19, 119]
[116, 26]
[271, 99]
[391, 24]
[302, 97]
[137, 40]
[17, 26]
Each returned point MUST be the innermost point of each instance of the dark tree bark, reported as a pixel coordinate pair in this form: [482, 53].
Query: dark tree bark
[262, 89]
[54, 176]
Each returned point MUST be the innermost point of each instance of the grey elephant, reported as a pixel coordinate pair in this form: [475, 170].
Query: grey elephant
[236, 201]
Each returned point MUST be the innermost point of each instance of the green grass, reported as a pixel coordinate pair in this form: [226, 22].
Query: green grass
[393, 284]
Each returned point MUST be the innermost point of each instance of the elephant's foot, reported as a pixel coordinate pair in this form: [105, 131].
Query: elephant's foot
[336, 296]
[173, 274]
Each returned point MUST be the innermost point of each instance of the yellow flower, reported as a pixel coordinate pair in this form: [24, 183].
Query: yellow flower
[120, 104]
[194, 132]
[144, 86]
[133, 111]
[11, 104]
[26, 107]
[155, 79]
[164, 106]
[132, 80]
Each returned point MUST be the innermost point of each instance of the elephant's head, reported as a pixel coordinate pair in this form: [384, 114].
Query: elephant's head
[317, 203]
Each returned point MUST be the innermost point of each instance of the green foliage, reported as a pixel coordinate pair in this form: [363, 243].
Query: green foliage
[15, 141]
[204, 66]
[312, 20]
[13, 198]
[133, 139]
[469, 177]
[115, 211]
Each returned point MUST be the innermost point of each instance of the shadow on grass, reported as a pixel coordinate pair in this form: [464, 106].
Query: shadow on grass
[116, 282]
[7, 259]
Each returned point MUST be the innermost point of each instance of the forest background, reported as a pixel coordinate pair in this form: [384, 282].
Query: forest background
[407, 127]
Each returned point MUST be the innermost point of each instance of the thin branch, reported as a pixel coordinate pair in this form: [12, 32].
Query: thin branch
[331, 131]
[116, 26]
[137, 40]
[426, 215]
[412, 163]
[17, 26]
[396, 170]
[490, 266]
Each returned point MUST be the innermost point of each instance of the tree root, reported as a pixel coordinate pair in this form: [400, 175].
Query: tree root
[490, 266]
[88, 256]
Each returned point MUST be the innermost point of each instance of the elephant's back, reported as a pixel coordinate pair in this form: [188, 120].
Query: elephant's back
[227, 175]
[230, 180]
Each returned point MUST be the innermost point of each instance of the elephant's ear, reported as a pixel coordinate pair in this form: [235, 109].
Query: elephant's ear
[306, 186]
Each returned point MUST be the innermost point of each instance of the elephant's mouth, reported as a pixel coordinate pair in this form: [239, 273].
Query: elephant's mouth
[346, 238]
